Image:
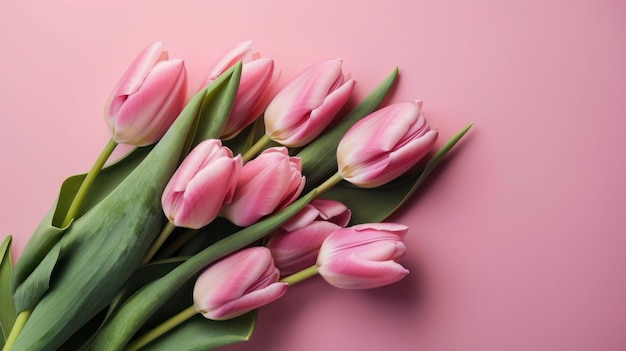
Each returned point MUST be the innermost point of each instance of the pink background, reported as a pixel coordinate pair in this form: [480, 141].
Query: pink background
[518, 244]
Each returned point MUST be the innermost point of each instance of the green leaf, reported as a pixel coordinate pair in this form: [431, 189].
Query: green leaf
[319, 158]
[201, 334]
[102, 248]
[142, 305]
[28, 294]
[217, 105]
[47, 234]
[387, 198]
[7, 307]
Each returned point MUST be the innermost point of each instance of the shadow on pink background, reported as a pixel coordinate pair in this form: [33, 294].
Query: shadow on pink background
[518, 244]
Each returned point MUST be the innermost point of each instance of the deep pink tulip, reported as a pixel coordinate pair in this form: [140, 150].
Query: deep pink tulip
[296, 244]
[385, 144]
[148, 98]
[363, 256]
[307, 104]
[237, 284]
[266, 184]
[256, 86]
[203, 183]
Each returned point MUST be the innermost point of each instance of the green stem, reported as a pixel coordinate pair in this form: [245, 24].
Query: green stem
[156, 245]
[89, 179]
[256, 148]
[162, 329]
[300, 276]
[329, 183]
[20, 321]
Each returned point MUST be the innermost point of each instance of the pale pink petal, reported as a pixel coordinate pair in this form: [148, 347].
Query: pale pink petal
[247, 302]
[297, 250]
[146, 115]
[241, 52]
[352, 272]
[205, 194]
[141, 67]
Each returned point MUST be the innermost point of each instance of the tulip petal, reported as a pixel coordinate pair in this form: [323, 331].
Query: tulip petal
[289, 112]
[197, 159]
[241, 52]
[247, 302]
[321, 116]
[142, 117]
[252, 96]
[297, 250]
[237, 284]
[305, 217]
[141, 67]
[403, 159]
[267, 183]
[353, 272]
[205, 193]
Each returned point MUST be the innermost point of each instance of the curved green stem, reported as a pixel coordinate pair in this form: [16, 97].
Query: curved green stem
[156, 245]
[329, 183]
[21, 320]
[256, 148]
[161, 329]
[300, 276]
[89, 179]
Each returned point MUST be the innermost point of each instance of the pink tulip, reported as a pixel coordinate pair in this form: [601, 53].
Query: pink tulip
[363, 256]
[148, 98]
[307, 104]
[385, 144]
[204, 182]
[256, 86]
[237, 284]
[266, 184]
[296, 244]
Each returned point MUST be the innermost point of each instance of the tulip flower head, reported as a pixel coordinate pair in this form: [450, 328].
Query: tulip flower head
[266, 184]
[256, 86]
[237, 284]
[385, 144]
[307, 104]
[148, 98]
[203, 183]
[296, 244]
[363, 256]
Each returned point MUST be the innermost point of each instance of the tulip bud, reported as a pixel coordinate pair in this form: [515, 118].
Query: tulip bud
[266, 184]
[385, 144]
[237, 284]
[307, 104]
[204, 181]
[148, 98]
[363, 256]
[296, 244]
[256, 86]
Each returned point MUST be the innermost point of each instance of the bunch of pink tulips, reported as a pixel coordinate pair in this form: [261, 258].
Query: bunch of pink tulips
[246, 188]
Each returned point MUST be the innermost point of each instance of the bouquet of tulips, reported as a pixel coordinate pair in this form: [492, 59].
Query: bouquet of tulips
[228, 200]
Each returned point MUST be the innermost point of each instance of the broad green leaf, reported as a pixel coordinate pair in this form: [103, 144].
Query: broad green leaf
[47, 234]
[376, 204]
[142, 305]
[28, 294]
[7, 307]
[319, 158]
[201, 334]
[152, 271]
[101, 249]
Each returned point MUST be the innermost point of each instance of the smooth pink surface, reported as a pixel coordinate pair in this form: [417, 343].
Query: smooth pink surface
[518, 244]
